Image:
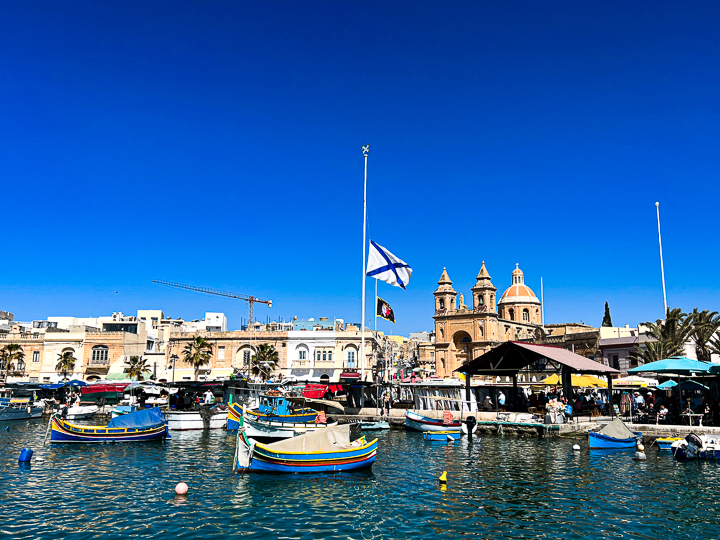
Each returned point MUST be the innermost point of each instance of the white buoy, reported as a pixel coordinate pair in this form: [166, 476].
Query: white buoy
[640, 447]
[576, 447]
[181, 488]
[640, 456]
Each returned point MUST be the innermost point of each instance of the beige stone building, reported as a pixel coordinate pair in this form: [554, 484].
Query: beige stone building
[465, 332]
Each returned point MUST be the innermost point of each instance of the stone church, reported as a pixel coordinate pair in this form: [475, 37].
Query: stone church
[463, 333]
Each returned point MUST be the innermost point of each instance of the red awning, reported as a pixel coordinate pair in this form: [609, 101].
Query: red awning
[314, 391]
[94, 388]
[350, 375]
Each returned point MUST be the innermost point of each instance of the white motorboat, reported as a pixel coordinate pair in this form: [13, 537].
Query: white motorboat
[80, 412]
[187, 420]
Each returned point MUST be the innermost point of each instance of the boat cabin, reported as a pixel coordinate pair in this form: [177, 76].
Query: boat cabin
[275, 405]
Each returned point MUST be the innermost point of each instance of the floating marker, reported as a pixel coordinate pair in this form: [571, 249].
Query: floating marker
[576, 447]
[25, 455]
[181, 488]
[443, 478]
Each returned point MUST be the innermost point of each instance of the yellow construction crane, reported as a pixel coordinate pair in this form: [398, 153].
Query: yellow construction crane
[249, 299]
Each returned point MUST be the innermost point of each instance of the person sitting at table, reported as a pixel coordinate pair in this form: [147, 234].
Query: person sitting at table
[662, 413]
[650, 400]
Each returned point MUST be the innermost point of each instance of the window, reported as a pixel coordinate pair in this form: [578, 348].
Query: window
[351, 358]
[442, 304]
[526, 315]
[302, 354]
[480, 300]
[221, 353]
[36, 358]
[100, 355]
[615, 361]
[329, 356]
[511, 314]
[33, 379]
[318, 355]
[46, 379]
[324, 356]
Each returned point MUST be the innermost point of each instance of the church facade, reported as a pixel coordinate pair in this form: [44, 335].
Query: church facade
[465, 332]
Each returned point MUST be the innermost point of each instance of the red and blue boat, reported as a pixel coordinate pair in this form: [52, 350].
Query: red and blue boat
[418, 422]
[142, 425]
[614, 435]
[327, 450]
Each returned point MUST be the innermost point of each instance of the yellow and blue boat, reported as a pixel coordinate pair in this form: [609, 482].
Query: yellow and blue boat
[271, 409]
[327, 450]
[143, 425]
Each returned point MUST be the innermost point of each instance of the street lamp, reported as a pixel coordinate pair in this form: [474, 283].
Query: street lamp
[174, 357]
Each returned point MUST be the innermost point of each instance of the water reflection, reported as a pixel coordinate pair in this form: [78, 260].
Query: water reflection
[497, 488]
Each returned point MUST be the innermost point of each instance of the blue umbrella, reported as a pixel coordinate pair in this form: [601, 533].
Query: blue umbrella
[677, 365]
[685, 385]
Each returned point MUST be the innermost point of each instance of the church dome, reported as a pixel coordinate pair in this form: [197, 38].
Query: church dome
[518, 292]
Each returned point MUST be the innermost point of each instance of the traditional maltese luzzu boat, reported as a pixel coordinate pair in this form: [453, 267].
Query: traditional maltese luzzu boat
[143, 425]
[327, 450]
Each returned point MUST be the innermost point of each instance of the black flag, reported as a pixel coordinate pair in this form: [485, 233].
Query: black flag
[385, 311]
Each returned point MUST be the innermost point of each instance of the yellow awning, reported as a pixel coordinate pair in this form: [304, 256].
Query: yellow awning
[581, 381]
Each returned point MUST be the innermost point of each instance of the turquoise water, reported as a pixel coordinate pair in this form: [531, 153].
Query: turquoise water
[497, 488]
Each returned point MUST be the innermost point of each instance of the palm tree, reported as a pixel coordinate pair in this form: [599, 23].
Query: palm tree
[198, 353]
[669, 337]
[10, 353]
[137, 365]
[266, 354]
[66, 363]
[705, 325]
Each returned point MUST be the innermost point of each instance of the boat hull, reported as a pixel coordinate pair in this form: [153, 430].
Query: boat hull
[443, 436]
[9, 414]
[666, 442]
[235, 412]
[267, 431]
[192, 420]
[598, 441]
[417, 422]
[264, 460]
[65, 432]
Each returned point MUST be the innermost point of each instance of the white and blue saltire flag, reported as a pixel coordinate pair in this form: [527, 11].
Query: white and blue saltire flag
[387, 267]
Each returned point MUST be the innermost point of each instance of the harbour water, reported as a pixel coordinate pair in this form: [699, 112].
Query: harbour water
[497, 488]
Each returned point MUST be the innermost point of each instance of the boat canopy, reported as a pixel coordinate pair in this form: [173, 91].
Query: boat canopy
[144, 418]
[617, 430]
[64, 383]
[329, 403]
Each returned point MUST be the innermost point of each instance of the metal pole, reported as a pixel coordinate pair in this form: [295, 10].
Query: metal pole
[662, 268]
[366, 150]
[542, 302]
[375, 308]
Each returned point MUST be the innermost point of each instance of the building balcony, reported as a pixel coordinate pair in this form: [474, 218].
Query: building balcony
[301, 364]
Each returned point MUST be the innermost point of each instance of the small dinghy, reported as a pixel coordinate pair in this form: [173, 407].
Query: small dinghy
[374, 426]
[327, 450]
[614, 435]
[418, 422]
[442, 436]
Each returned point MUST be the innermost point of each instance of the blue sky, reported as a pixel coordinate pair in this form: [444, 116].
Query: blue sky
[219, 144]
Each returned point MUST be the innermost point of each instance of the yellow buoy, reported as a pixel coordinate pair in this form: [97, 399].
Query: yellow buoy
[443, 478]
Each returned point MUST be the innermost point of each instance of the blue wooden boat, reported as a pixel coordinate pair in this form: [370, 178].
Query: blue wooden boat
[143, 425]
[327, 450]
[664, 443]
[19, 409]
[614, 435]
[444, 436]
[272, 409]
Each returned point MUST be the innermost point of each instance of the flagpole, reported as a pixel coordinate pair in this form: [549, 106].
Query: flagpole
[662, 268]
[366, 150]
[375, 308]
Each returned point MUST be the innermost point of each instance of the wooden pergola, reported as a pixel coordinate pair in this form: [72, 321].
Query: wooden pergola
[513, 357]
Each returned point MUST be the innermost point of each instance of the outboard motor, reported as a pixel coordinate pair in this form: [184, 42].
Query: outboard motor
[694, 445]
[470, 424]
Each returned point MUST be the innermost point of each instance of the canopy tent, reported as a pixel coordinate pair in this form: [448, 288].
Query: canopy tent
[635, 382]
[676, 365]
[581, 381]
[685, 385]
[512, 357]
[62, 384]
